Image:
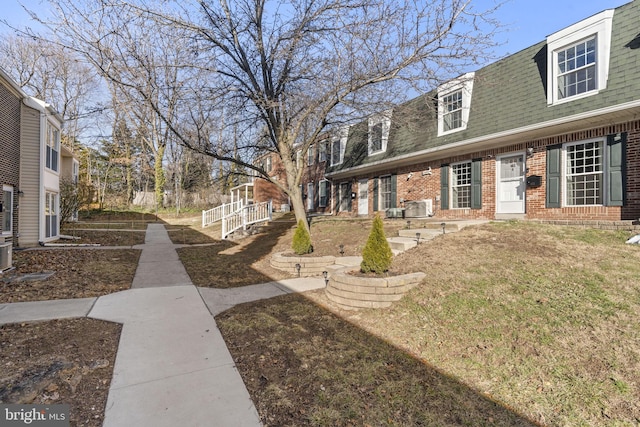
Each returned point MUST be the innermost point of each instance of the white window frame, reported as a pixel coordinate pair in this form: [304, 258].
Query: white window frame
[384, 121]
[603, 171]
[52, 214]
[323, 196]
[341, 138]
[310, 196]
[598, 26]
[52, 155]
[311, 155]
[268, 164]
[453, 200]
[322, 152]
[7, 210]
[462, 84]
[383, 203]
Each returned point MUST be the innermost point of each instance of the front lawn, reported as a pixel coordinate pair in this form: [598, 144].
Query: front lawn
[542, 319]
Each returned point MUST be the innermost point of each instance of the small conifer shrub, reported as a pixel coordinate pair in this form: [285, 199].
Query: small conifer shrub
[301, 240]
[376, 255]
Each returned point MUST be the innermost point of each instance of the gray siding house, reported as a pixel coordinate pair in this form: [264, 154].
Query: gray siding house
[31, 166]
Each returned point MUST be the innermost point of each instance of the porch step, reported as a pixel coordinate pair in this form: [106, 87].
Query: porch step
[425, 233]
[401, 244]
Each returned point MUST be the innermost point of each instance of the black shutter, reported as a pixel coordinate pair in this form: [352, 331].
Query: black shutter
[444, 187]
[349, 199]
[375, 194]
[616, 169]
[554, 172]
[394, 191]
[476, 184]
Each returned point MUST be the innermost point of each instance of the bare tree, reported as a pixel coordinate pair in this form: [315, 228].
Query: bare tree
[56, 75]
[284, 72]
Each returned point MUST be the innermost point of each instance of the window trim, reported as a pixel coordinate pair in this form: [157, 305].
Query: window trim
[565, 175]
[327, 186]
[600, 26]
[384, 120]
[381, 206]
[311, 155]
[451, 184]
[322, 152]
[52, 222]
[6, 189]
[464, 84]
[52, 148]
[341, 137]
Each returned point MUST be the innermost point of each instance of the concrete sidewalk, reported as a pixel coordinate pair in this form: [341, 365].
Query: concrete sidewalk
[172, 367]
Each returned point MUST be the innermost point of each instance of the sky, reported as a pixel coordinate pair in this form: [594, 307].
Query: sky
[527, 21]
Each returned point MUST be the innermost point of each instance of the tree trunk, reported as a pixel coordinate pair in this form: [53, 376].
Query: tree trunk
[160, 178]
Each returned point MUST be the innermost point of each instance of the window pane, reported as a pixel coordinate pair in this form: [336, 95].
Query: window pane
[584, 174]
[452, 107]
[461, 185]
[376, 137]
[577, 69]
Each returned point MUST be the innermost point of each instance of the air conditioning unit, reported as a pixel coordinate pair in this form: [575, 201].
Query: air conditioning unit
[394, 213]
[5, 256]
[419, 209]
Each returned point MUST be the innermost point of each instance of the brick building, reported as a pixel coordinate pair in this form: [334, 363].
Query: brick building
[551, 133]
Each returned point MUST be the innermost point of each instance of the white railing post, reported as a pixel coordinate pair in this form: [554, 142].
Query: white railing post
[224, 226]
[203, 218]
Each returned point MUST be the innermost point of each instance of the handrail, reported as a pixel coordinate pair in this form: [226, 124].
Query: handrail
[216, 214]
[247, 215]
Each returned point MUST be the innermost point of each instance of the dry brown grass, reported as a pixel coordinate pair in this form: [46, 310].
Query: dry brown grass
[542, 319]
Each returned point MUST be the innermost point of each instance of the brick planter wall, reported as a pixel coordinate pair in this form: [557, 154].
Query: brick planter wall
[309, 265]
[353, 292]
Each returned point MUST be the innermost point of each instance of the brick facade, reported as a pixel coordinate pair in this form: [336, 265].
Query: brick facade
[422, 181]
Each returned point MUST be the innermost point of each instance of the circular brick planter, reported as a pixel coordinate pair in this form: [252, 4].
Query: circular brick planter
[353, 292]
[309, 265]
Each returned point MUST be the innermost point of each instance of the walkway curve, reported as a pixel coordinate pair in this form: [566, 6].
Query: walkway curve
[172, 367]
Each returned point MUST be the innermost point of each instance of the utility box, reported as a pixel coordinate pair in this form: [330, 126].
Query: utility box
[5, 256]
[419, 208]
[534, 181]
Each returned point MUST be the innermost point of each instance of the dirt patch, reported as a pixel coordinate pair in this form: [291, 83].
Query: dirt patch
[76, 273]
[63, 361]
[105, 237]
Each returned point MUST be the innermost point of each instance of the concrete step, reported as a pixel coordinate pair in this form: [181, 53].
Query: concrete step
[425, 233]
[402, 243]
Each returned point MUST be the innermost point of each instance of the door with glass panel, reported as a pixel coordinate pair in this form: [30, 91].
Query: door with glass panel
[511, 184]
[363, 197]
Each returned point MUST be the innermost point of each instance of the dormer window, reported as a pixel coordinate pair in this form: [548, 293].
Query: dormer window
[579, 59]
[454, 102]
[379, 133]
[452, 114]
[338, 144]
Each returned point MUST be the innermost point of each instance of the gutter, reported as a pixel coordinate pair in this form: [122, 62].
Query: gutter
[424, 154]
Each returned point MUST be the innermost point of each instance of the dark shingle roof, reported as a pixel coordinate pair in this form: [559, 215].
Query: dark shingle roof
[508, 94]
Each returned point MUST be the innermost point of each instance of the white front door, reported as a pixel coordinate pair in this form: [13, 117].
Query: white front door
[310, 204]
[511, 184]
[363, 197]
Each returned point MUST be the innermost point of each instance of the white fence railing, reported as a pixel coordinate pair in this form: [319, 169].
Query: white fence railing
[247, 215]
[216, 214]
